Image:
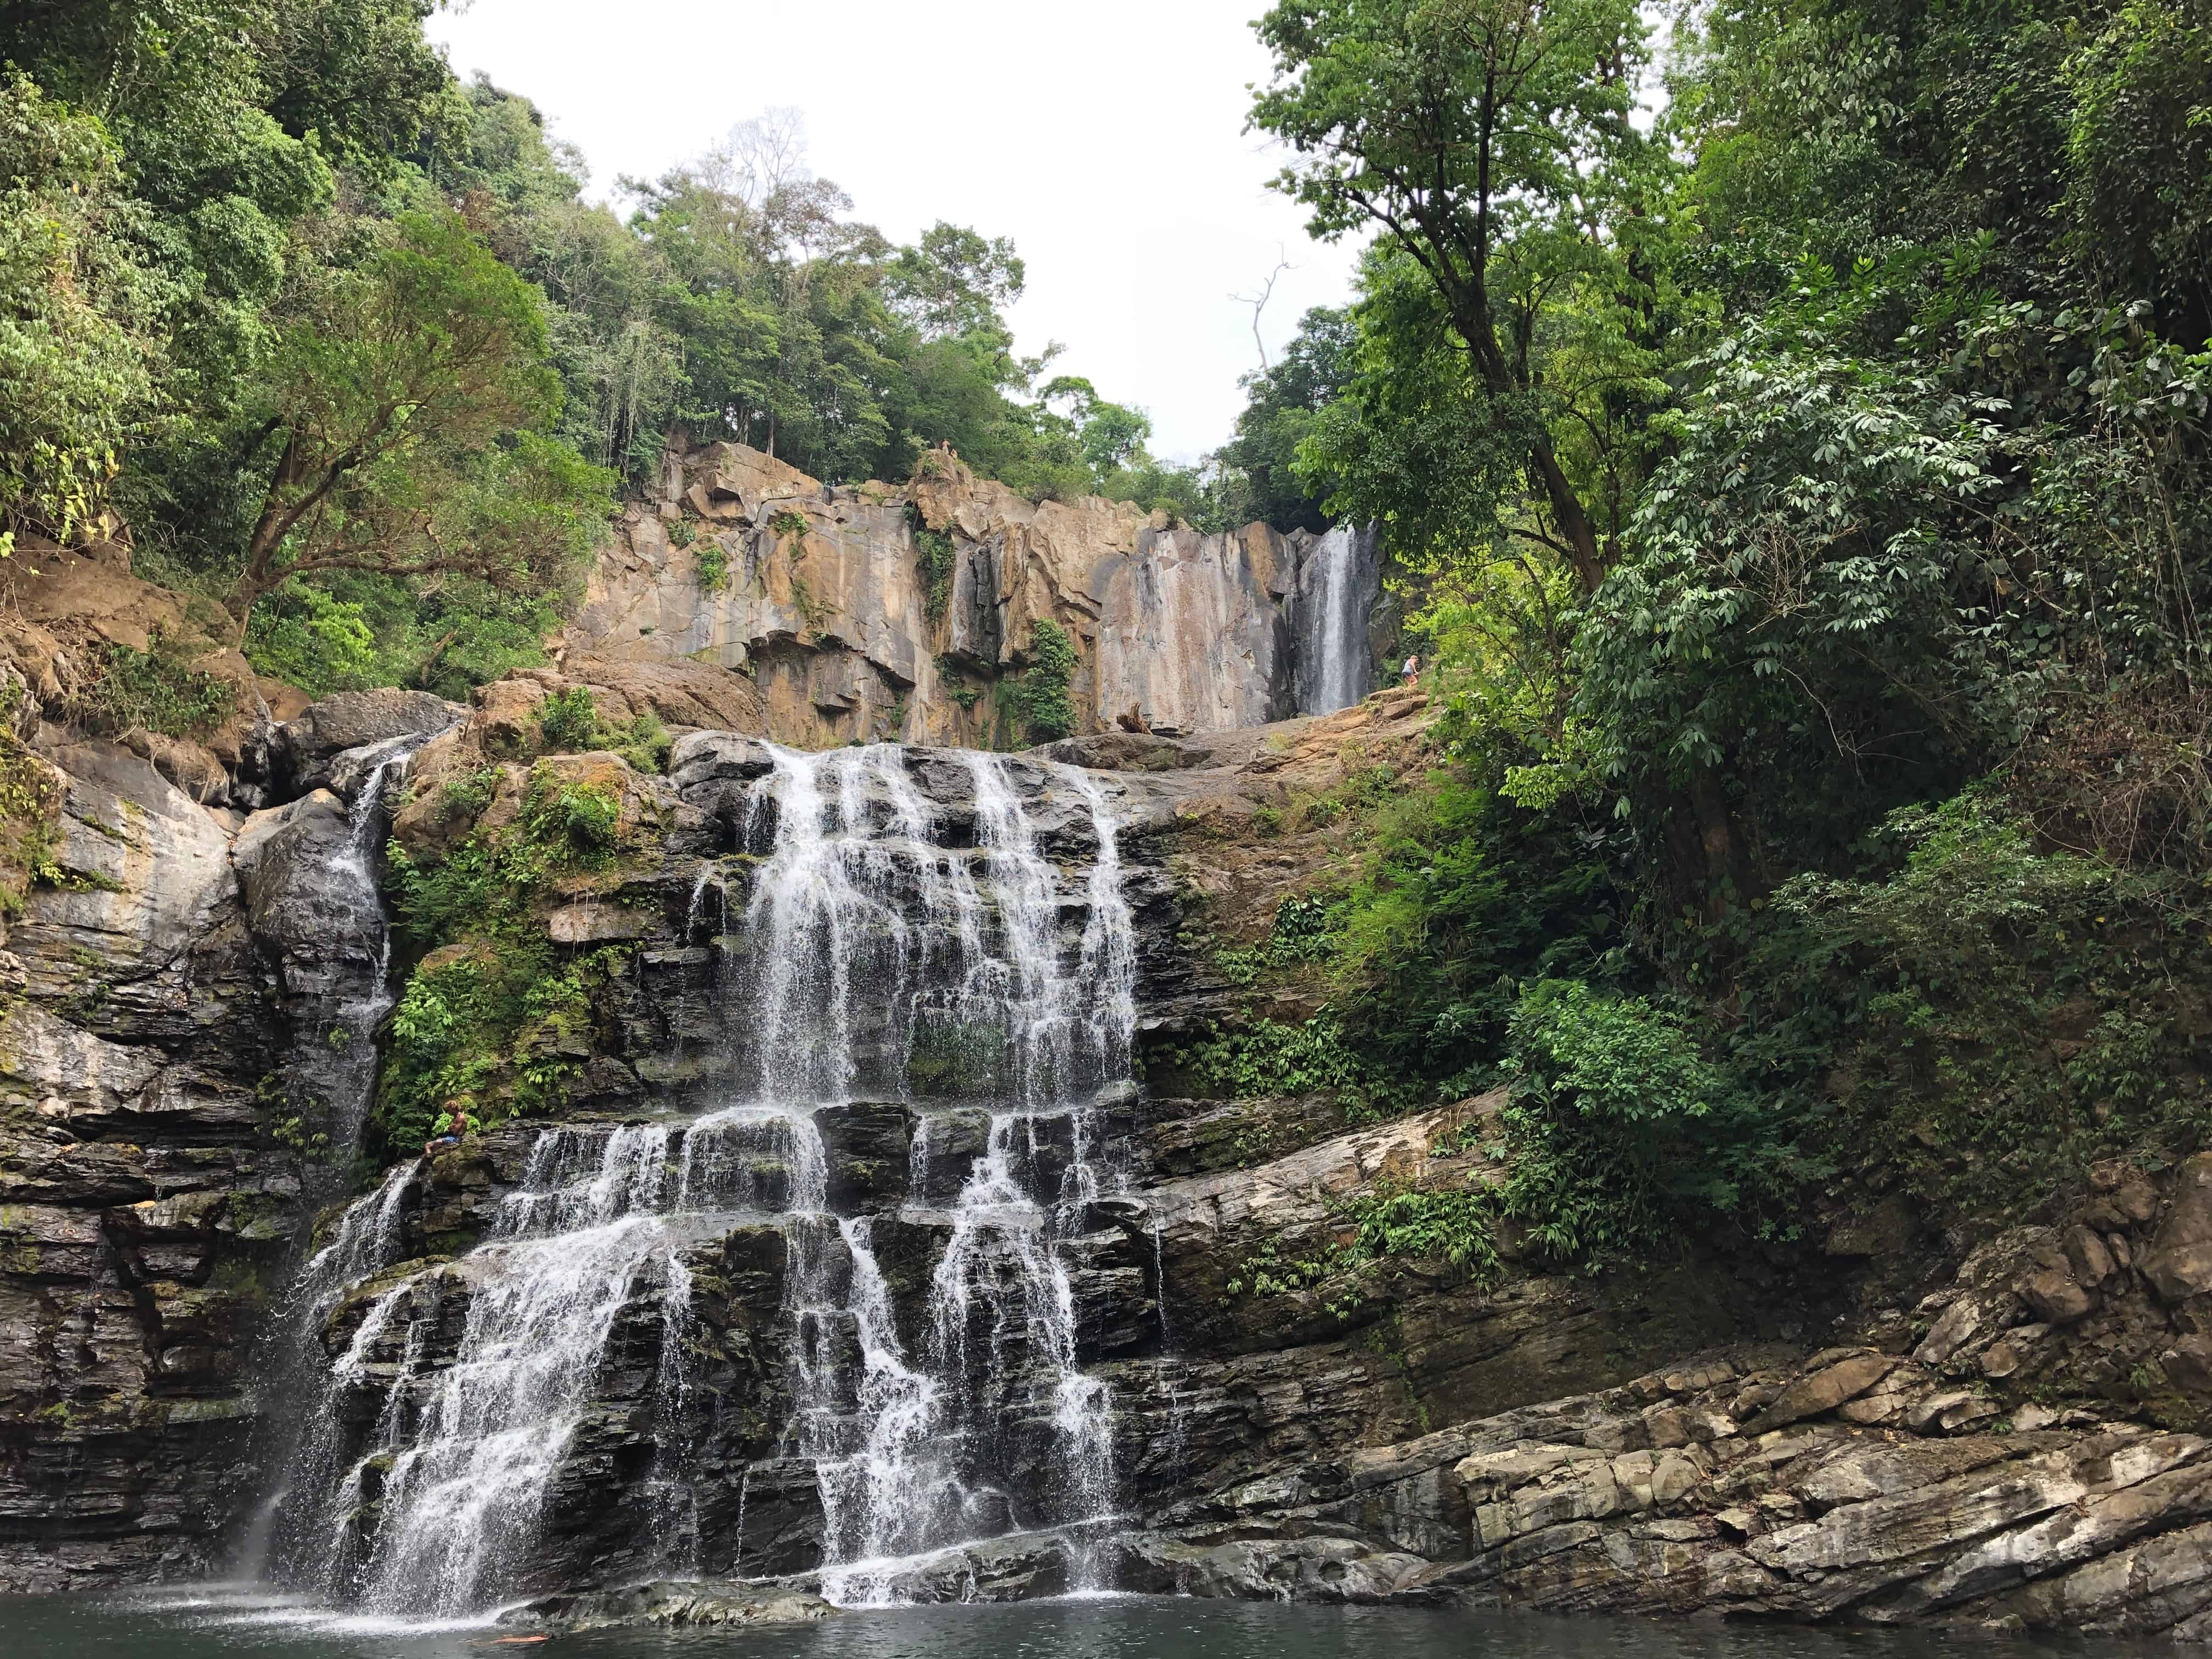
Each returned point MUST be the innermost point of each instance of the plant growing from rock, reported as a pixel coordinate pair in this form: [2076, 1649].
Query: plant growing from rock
[495, 1012]
[934, 550]
[569, 723]
[1039, 695]
[712, 561]
[158, 690]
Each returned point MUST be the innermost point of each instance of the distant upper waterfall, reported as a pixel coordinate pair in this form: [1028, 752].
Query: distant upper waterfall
[1339, 582]
[962, 963]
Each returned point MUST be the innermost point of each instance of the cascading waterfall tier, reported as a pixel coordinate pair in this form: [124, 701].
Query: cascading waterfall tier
[933, 942]
[333, 1070]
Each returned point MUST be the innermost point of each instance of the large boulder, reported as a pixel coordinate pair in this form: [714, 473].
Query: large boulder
[304, 887]
[147, 879]
[693, 1604]
[2179, 1264]
[307, 748]
[708, 757]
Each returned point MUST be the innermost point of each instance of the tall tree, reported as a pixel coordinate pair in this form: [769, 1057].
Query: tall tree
[1491, 139]
[401, 426]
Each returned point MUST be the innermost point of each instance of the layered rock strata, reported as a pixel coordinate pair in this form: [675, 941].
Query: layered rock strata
[2007, 1437]
[159, 971]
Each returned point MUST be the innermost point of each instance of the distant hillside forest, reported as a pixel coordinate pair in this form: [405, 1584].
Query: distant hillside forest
[342, 341]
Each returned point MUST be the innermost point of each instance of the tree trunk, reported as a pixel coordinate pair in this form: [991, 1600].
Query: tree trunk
[244, 593]
[1716, 841]
[1574, 523]
[1471, 316]
[268, 531]
[422, 673]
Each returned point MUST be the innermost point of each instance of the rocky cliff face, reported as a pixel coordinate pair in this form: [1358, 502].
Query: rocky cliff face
[175, 1000]
[875, 613]
[1897, 1428]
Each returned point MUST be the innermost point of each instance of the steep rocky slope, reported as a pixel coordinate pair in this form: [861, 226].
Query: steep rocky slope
[1894, 1427]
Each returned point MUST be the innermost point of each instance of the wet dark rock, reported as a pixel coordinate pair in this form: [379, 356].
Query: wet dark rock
[303, 910]
[866, 1145]
[681, 1604]
[306, 749]
[142, 1210]
[1218, 1562]
[1017, 1568]
[703, 757]
[946, 1146]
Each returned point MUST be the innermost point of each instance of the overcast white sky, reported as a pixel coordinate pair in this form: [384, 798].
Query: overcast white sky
[1106, 140]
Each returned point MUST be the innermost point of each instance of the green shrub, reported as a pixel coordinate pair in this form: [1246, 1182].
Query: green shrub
[575, 823]
[712, 563]
[936, 559]
[788, 523]
[1267, 1271]
[1459, 895]
[1456, 1225]
[1268, 1057]
[1039, 695]
[645, 743]
[440, 901]
[568, 721]
[466, 796]
[158, 690]
[498, 1029]
[503, 1021]
[1622, 1136]
[1977, 1020]
[1304, 932]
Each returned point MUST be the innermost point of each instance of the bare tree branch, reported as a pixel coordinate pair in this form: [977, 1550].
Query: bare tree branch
[1259, 301]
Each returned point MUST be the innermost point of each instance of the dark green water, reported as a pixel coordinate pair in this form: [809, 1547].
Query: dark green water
[219, 1624]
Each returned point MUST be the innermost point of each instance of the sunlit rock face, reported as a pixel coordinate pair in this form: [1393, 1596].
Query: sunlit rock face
[820, 593]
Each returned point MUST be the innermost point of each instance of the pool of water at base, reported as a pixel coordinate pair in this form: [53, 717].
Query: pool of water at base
[230, 1623]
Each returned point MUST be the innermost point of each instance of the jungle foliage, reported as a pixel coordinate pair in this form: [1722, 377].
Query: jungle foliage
[495, 1014]
[1799, 486]
[341, 340]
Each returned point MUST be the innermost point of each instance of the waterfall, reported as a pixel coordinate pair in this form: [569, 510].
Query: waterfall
[1338, 586]
[334, 1063]
[920, 948]
[465, 1481]
[916, 1454]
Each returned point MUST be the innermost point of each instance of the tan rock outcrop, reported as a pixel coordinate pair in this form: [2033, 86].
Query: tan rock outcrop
[818, 595]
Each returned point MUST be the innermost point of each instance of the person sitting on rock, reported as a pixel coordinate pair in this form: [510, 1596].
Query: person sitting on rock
[450, 1129]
